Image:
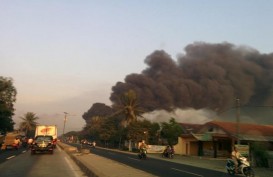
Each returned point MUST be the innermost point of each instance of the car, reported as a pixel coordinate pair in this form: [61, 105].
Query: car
[42, 143]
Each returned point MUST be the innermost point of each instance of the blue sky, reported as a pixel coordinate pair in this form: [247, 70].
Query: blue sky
[66, 55]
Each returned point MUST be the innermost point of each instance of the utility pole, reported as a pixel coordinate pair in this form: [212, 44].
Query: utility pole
[238, 120]
[65, 118]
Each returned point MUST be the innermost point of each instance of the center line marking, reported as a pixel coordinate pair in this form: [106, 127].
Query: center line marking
[133, 158]
[11, 157]
[187, 172]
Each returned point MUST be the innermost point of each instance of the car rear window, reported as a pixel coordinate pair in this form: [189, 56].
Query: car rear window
[44, 138]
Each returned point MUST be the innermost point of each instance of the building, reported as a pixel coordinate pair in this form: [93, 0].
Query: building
[216, 138]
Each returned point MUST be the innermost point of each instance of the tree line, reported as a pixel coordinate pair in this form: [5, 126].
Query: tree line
[104, 124]
[123, 121]
[8, 95]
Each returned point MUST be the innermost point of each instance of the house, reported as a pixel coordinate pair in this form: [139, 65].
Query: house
[216, 138]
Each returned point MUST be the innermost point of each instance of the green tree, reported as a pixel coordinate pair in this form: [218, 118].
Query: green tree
[7, 99]
[29, 122]
[129, 107]
[171, 131]
[143, 130]
[108, 131]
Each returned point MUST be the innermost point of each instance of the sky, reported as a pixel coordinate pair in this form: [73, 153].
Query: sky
[66, 55]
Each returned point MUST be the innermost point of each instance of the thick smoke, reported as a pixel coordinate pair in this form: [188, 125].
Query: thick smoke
[207, 76]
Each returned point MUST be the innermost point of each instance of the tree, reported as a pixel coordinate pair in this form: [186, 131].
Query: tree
[108, 131]
[171, 131]
[7, 99]
[29, 122]
[143, 130]
[94, 127]
[129, 107]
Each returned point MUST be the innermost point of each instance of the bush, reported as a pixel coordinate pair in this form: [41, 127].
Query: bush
[260, 153]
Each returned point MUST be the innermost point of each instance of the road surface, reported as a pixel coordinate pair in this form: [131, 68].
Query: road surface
[22, 164]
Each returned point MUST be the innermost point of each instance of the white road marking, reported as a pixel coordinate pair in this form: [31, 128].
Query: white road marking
[11, 157]
[24, 151]
[187, 172]
[133, 158]
[71, 167]
[59, 149]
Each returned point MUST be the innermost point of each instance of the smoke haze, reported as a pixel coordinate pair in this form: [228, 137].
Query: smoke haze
[200, 116]
[206, 76]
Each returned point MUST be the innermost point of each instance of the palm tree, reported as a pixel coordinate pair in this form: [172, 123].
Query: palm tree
[129, 107]
[29, 122]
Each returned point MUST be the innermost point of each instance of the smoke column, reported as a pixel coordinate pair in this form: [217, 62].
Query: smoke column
[207, 76]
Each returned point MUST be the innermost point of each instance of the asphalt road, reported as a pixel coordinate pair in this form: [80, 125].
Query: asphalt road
[9, 154]
[158, 167]
[22, 164]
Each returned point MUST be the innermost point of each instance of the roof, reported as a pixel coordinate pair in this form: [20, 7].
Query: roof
[190, 128]
[202, 137]
[245, 128]
[250, 132]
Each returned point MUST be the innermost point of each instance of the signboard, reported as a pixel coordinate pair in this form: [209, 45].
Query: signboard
[155, 148]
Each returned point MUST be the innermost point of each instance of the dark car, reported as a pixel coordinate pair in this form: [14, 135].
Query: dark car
[42, 143]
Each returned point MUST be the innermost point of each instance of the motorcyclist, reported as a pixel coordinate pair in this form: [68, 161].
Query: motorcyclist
[235, 155]
[16, 142]
[94, 144]
[142, 146]
[171, 149]
[166, 151]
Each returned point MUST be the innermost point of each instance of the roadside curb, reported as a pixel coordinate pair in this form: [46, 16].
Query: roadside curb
[96, 166]
[70, 150]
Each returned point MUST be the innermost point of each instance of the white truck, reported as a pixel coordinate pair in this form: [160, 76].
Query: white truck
[47, 130]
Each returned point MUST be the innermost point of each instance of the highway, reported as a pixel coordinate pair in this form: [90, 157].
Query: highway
[158, 166]
[22, 164]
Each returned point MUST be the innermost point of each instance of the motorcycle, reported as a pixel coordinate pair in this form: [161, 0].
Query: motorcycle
[142, 154]
[243, 167]
[168, 153]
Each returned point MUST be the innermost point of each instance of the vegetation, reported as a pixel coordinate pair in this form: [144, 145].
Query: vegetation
[29, 123]
[142, 130]
[112, 126]
[7, 99]
[260, 153]
[129, 107]
[171, 131]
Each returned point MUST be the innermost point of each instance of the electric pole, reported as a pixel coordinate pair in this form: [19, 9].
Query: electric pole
[238, 120]
[65, 118]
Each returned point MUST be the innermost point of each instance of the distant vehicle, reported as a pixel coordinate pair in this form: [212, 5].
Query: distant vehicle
[8, 141]
[42, 143]
[47, 130]
[142, 153]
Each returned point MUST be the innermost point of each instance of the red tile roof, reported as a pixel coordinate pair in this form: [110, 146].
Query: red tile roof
[247, 129]
[190, 128]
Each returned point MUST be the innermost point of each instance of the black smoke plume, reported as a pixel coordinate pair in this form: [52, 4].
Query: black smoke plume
[210, 76]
